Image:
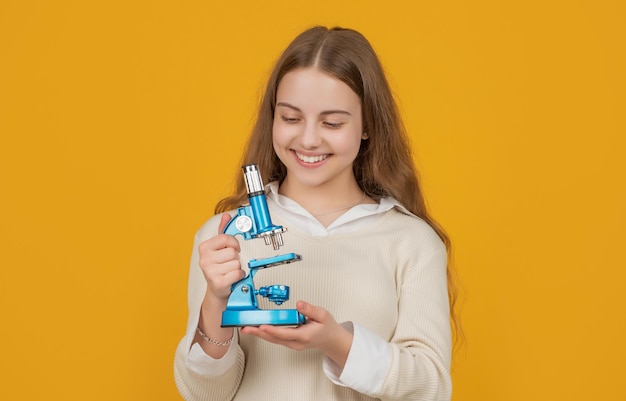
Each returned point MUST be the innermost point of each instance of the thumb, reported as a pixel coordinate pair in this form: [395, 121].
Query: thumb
[312, 312]
[225, 219]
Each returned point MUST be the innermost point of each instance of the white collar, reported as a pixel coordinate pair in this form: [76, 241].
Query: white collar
[352, 220]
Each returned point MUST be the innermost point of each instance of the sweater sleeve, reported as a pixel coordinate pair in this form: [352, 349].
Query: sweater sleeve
[421, 345]
[195, 387]
[209, 380]
[367, 363]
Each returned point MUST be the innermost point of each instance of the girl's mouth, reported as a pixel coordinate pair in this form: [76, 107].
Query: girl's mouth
[311, 159]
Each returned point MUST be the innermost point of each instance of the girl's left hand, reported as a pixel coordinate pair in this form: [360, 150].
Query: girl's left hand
[321, 331]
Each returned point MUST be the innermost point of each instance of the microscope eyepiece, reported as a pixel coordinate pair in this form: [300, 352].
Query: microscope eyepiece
[254, 182]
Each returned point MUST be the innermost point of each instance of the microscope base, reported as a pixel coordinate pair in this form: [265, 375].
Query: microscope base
[257, 317]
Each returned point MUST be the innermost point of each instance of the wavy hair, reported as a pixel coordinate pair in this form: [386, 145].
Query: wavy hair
[384, 165]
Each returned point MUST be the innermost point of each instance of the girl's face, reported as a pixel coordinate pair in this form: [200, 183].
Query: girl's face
[317, 128]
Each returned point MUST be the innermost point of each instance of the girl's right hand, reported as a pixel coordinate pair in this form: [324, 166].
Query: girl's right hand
[219, 261]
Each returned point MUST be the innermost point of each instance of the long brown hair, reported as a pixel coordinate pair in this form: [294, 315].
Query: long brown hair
[384, 165]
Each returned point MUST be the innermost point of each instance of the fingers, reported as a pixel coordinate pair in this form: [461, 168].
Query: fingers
[290, 337]
[218, 252]
[220, 241]
[221, 283]
[320, 332]
[219, 260]
[318, 319]
[312, 312]
[225, 219]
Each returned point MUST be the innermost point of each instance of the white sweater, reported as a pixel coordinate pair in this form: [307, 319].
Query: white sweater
[389, 278]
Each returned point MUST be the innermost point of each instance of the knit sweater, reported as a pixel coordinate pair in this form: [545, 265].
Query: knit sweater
[389, 278]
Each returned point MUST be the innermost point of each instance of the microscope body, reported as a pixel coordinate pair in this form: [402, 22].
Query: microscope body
[254, 221]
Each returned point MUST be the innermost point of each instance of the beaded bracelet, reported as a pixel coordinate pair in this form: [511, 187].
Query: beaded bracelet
[212, 341]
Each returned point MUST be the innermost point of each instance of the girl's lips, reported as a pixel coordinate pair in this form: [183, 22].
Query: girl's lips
[310, 160]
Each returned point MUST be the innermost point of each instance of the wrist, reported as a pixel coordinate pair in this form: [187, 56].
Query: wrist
[210, 318]
[214, 302]
[339, 346]
[209, 340]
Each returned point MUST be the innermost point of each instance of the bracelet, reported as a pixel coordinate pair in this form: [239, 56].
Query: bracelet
[212, 341]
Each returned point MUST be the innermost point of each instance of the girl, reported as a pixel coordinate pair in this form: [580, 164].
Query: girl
[373, 283]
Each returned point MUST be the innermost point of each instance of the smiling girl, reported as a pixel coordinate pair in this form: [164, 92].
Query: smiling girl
[373, 283]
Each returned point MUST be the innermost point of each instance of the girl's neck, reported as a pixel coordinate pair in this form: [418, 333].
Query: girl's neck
[325, 202]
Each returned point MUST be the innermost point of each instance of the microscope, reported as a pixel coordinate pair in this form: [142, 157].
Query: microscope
[253, 221]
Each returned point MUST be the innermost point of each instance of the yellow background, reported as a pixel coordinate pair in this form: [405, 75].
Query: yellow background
[122, 122]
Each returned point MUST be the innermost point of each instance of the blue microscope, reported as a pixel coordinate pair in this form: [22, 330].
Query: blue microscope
[253, 221]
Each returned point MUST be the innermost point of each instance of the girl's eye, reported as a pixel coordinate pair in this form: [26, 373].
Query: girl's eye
[333, 125]
[290, 120]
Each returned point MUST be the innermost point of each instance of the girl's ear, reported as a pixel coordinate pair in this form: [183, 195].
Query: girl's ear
[365, 136]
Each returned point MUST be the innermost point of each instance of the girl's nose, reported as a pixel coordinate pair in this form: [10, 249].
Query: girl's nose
[310, 137]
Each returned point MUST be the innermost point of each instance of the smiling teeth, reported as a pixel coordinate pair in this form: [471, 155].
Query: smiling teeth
[311, 159]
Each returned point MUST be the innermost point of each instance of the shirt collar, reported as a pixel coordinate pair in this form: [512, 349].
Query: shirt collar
[354, 218]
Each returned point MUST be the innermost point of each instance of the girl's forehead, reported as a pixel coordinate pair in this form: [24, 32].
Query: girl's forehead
[313, 88]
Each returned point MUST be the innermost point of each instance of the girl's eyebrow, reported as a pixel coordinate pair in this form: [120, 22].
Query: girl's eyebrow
[325, 112]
